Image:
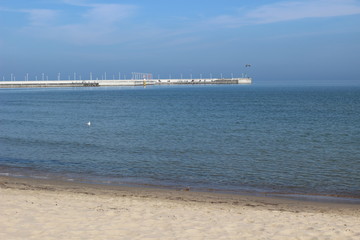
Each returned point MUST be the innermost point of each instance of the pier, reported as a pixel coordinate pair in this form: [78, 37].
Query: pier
[129, 82]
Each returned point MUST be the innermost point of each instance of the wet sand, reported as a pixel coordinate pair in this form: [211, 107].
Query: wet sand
[44, 209]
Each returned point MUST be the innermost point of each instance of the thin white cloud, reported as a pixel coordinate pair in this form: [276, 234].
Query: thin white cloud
[109, 13]
[36, 17]
[95, 24]
[285, 11]
[99, 24]
[40, 17]
[75, 2]
[104, 13]
[288, 11]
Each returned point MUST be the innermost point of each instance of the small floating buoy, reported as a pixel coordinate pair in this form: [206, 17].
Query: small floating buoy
[89, 123]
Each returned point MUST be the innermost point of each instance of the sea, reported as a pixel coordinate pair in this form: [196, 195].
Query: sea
[242, 139]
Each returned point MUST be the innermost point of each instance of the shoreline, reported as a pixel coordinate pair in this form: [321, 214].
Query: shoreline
[303, 197]
[38, 209]
[222, 197]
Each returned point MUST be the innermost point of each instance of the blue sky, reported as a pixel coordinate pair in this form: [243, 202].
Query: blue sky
[286, 42]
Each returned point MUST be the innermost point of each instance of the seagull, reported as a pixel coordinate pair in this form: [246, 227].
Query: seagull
[89, 123]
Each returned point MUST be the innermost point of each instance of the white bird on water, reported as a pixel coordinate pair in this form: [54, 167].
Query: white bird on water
[89, 123]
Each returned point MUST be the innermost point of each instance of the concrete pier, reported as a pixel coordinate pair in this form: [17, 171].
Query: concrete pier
[129, 82]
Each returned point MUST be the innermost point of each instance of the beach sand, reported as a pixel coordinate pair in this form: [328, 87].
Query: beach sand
[39, 209]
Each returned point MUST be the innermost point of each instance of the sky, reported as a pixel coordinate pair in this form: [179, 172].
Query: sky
[311, 42]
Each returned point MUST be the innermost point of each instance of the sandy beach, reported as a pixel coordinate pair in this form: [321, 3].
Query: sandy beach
[38, 209]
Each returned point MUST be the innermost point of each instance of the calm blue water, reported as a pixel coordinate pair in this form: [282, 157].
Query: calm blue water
[224, 137]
